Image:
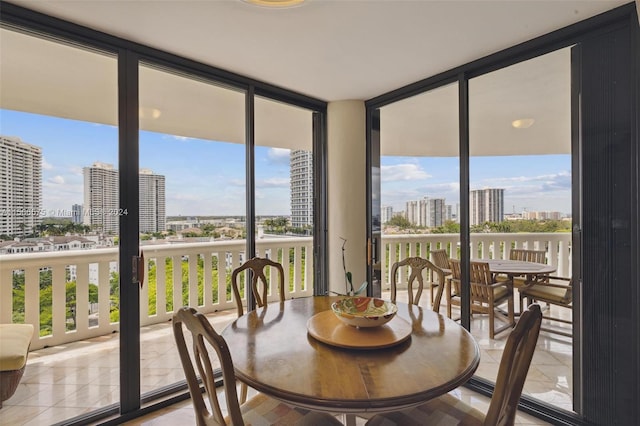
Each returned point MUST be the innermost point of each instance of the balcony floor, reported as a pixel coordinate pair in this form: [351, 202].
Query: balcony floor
[69, 380]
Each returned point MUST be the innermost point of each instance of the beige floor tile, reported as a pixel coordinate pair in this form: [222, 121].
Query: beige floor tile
[63, 382]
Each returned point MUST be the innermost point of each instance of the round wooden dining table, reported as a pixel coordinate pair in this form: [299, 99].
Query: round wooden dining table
[274, 353]
[517, 267]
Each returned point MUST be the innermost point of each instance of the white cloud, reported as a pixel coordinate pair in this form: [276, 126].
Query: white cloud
[278, 155]
[403, 172]
[57, 180]
[46, 165]
[562, 178]
[180, 138]
[76, 170]
[273, 182]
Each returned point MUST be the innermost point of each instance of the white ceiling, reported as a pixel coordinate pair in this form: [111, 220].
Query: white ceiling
[328, 49]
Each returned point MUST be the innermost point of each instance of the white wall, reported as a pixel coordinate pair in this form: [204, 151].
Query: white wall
[346, 191]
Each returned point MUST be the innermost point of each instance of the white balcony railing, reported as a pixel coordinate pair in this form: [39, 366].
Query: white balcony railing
[483, 246]
[196, 274]
[189, 270]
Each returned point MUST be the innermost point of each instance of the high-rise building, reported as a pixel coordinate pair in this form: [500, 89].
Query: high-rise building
[432, 212]
[486, 205]
[76, 213]
[448, 212]
[428, 212]
[387, 213]
[101, 198]
[542, 215]
[101, 203]
[153, 216]
[20, 186]
[412, 212]
[301, 175]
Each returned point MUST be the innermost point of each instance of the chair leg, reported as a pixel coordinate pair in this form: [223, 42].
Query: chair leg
[511, 311]
[492, 320]
[243, 393]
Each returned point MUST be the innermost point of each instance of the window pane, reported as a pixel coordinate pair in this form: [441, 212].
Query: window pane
[59, 267]
[192, 206]
[520, 182]
[419, 181]
[284, 192]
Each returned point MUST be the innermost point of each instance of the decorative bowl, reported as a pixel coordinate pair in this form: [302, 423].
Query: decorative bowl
[364, 311]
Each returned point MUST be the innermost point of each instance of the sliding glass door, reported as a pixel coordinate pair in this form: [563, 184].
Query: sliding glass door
[106, 155]
[520, 198]
[59, 221]
[498, 179]
[419, 178]
[192, 192]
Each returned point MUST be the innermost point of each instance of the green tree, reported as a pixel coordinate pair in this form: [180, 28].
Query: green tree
[449, 227]
[114, 296]
[400, 221]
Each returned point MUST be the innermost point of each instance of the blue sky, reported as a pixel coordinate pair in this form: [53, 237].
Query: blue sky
[532, 183]
[207, 178]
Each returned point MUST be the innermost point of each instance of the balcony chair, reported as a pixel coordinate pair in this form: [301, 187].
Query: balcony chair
[15, 340]
[535, 256]
[257, 266]
[487, 295]
[555, 291]
[514, 366]
[440, 258]
[257, 411]
[417, 266]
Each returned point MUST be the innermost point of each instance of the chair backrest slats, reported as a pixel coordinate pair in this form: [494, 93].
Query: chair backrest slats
[205, 337]
[417, 266]
[536, 256]
[514, 366]
[257, 266]
[440, 258]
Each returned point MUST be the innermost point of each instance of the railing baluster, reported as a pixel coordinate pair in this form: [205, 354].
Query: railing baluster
[104, 299]
[32, 297]
[177, 282]
[192, 265]
[6, 296]
[82, 298]
[59, 303]
[207, 281]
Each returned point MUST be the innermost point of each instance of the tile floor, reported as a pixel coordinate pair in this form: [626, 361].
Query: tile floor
[69, 380]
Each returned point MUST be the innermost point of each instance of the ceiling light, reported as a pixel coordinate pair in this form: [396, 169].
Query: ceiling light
[152, 113]
[523, 123]
[275, 4]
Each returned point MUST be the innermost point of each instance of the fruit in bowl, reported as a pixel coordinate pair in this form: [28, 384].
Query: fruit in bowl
[364, 311]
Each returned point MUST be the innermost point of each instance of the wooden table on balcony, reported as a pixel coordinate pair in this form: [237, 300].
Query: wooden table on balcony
[273, 353]
[514, 268]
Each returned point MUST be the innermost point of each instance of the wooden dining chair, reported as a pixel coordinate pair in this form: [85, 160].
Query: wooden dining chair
[258, 410]
[486, 295]
[514, 366]
[555, 291]
[259, 284]
[440, 258]
[418, 269]
[535, 256]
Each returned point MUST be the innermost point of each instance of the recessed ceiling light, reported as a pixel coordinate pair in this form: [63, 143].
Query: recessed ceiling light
[275, 4]
[523, 123]
[149, 113]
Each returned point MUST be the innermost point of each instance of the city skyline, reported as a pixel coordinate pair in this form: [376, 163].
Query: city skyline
[207, 178]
